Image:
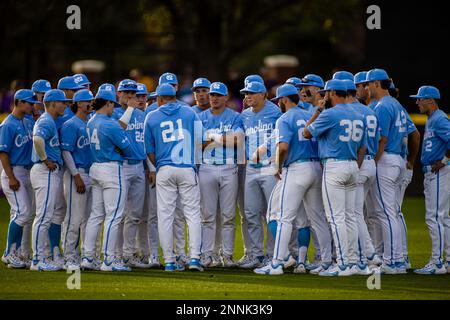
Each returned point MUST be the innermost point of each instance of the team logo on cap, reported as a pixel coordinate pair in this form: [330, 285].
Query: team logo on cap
[108, 88]
[169, 76]
[47, 84]
[140, 88]
[216, 86]
[78, 79]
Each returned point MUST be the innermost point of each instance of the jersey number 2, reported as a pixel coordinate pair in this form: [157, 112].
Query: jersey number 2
[168, 134]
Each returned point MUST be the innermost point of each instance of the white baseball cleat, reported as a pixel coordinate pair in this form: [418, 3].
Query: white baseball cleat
[44, 265]
[216, 261]
[88, 263]
[432, 268]
[137, 262]
[270, 269]
[336, 271]
[155, 263]
[228, 262]
[407, 263]
[289, 262]
[194, 265]
[311, 265]
[72, 265]
[388, 269]
[320, 268]
[58, 259]
[5, 259]
[15, 262]
[374, 260]
[255, 262]
[114, 264]
[363, 269]
[300, 268]
[244, 260]
[205, 260]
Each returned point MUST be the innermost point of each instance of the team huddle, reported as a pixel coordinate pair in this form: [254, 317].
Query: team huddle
[102, 182]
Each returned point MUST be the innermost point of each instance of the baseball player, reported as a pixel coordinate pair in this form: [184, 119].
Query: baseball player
[299, 181]
[45, 177]
[151, 98]
[77, 183]
[131, 119]
[179, 224]
[172, 138]
[309, 91]
[436, 160]
[69, 87]
[366, 177]
[259, 122]
[39, 87]
[15, 155]
[82, 80]
[340, 147]
[218, 177]
[392, 121]
[109, 145]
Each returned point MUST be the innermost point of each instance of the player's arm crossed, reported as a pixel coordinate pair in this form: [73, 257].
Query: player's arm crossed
[6, 141]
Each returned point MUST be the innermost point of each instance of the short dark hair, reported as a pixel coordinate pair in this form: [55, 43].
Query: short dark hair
[351, 93]
[341, 94]
[74, 107]
[294, 98]
[393, 92]
[99, 103]
[385, 84]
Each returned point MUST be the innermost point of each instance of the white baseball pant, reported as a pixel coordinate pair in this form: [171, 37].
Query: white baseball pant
[218, 185]
[179, 230]
[171, 183]
[241, 205]
[46, 185]
[437, 199]
[148, 238]
[338, 193]
[389, 178]
[108, 203]
[406, 180]
[78, 209]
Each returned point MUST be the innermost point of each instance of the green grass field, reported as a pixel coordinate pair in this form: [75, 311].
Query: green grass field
[230, 284]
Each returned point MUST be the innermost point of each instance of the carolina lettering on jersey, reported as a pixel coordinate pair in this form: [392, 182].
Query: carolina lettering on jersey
[74, 138]
[16, 140]
[45, 128]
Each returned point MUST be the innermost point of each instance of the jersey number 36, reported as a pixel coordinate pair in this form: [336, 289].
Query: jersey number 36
[353, 130]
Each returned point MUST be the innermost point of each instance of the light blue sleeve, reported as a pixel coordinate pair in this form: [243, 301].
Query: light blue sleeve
[238, 126]
[149, 140]
[6, 138]
[409, 124]
[284, 130]
[323, 123]
[118, 136]
[43, 130]
[442, 130]
[68, 137]
[384, 119]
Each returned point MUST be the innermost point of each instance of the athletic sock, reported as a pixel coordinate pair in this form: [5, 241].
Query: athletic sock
[272, 226]
[14, 237]
[54, 234]
[303, 243]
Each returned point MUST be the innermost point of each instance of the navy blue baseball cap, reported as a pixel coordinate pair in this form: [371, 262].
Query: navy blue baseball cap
[219, 88]
[83, 95]
[201, 83]
[360, 77]
[41, 85]
[334, 85]
[376, 75]
[107, 87]
[168, 77]
[81, 79]
[253, 78]
[349, 84]
[294, 81]
[141, 89]
[312, 80]
[68, 83]
[284, 91]
[107, 95]
[254, 87]
[26, 95]
[427, 92]
[166, 89]
[343, 75]
[55, 95]
[127, 85]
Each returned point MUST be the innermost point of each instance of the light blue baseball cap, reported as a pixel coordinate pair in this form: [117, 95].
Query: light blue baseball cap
[350, 85]
[152, 95]
[141, 89]
[427, 92]
[55, 95]
[68, 83]
[334, 85]
[253, 78]
[166, 89]
[26, 95]
[107, 95]
[41, 85]
[168, 77]
[254, 87]
[107, 87]
[284, 91]
[360, 77]
[312, 80]
[219, 88]
[294, 81]
[201, 83]
[83, 95]
[81, 79]
[127, 85]
[376, 75]
[343, 75]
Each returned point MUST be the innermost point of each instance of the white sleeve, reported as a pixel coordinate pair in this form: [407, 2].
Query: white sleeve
[69, 162]
[39, 147]
[125, 118]
[150, 165]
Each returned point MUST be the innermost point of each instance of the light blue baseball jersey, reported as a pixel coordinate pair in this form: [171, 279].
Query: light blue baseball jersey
[197, 109]
[154, 106]
[371, 123]
[290, 130]
[171, 133]
[74, 138]
[258, 128]
[68, 114]
[373, 104]
[45, 127]
[392, 121]
[228, 121]
[16, 140]
[105, 135]
[306, 106]
[410, 128]
[340, 132]
[436, 140]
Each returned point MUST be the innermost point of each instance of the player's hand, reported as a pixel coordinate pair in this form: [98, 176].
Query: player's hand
[277, 174]
[14, 184]
[151, 175]
[79, 183]
[321, 104]
[118, 150]
[50, 165]
[438, 165]
[133, 102]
